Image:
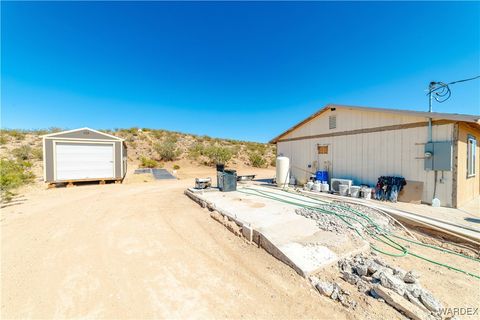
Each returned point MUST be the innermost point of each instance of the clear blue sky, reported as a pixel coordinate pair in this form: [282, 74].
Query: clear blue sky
[238, 70]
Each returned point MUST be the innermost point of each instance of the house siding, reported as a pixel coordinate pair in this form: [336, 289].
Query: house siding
[468, 188]
[364, 157]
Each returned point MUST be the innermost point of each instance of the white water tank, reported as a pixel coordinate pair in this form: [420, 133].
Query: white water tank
[283, 171]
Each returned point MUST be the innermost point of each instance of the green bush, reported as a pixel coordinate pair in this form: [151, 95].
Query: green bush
[196, 151]
[13, 174]
[148, 163]
[37, 153]
[257, 160]
[176, 167]
[3, 139]
[217, 154]
[23, 152]
[166, 150]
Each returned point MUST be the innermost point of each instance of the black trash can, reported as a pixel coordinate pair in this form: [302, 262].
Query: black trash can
[228, 180]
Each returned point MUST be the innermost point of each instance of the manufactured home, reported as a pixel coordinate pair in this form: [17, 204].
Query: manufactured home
[83, 155]
[438, 152]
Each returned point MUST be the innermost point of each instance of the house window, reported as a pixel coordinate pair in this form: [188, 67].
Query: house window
[322, 149]
[332, 122]
[471, 156]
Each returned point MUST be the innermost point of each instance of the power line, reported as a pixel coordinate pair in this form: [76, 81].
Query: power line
[441, 92]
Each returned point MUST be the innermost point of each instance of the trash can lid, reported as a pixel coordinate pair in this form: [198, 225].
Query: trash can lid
[230, 171]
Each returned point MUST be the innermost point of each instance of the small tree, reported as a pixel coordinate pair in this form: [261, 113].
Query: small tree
[218, 154]
[166, 150]
[257, 160]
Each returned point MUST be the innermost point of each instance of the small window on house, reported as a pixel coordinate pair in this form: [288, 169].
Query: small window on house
[332, 122]
[322, 149]
[471, 156]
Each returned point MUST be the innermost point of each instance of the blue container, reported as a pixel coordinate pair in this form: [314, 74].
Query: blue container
[321, 176]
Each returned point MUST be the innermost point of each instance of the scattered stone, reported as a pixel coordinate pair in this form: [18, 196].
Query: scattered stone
[411, 276]
[325, 288]
[350, 278]
[400, 303]
[399, 273]
[373, 266]
[430, 302]
[381, 271]
[413, 289]
[415, 301]
[361, 270]
[313, 280]
[391, 282]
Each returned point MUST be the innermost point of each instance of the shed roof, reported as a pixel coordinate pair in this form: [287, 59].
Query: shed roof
[68, 134]
[474, 119]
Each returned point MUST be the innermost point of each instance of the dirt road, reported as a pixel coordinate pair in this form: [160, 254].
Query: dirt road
[139, 250]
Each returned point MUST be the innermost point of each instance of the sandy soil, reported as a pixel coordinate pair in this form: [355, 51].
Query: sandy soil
[139, 250]
[143, 250]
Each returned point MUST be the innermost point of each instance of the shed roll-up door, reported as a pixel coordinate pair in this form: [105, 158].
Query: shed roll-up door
[84, 161]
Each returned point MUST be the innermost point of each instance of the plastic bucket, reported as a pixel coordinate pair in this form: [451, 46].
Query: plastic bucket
[367, 193]
[343, 189]
[325, 187]
[355, 191]
[317, 187]
[321, 176]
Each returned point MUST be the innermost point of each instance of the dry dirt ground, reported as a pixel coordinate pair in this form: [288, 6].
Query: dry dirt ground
[143, 250]
[139, 250]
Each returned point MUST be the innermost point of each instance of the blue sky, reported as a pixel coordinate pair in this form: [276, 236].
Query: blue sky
[236, 70]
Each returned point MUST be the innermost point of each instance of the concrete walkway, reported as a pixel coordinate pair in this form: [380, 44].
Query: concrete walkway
[291, 238]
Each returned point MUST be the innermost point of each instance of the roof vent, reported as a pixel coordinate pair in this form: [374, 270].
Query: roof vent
[332, 122]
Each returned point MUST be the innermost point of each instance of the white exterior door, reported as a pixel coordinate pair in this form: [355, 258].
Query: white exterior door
[84, 161]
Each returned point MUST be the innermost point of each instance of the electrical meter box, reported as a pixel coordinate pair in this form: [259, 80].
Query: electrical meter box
[438, 156]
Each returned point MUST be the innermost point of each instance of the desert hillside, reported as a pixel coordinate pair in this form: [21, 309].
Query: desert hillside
[21, 152]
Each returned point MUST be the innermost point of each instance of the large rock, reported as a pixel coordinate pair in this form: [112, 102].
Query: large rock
[401, 304]
[361, 270]
[414, 289]
[392, 282]
[411, 276]
[430, 302]
[350, 277]
[325, 288]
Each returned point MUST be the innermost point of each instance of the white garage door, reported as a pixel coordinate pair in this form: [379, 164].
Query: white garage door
[84, 161]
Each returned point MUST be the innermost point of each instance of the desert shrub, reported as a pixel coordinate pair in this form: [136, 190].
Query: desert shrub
[167, 150]
[37, 153]
[54, 129]
[176, 167]
[217, 154]
[23, 152]
[13, 174]
[148, 163]
[196, 151]
[3, 139]
[257, 160]
[17, 134]
[273, 162]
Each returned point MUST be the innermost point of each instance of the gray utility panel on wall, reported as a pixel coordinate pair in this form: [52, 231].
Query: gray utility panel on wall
[438, 156]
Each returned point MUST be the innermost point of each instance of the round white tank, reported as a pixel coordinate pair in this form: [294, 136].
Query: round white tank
[283, 174]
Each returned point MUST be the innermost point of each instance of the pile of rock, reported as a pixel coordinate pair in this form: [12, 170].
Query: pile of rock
[397, 287]
[334, 292]
[328, 221]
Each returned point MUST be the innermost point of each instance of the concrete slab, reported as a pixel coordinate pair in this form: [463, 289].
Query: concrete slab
[274, 225]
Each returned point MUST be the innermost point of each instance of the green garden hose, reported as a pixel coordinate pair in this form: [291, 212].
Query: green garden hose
[385, 234]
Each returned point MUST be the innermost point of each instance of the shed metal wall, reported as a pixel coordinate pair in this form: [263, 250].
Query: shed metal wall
[364, 157]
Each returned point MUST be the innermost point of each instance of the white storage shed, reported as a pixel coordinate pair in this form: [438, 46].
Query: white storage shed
[83, 155]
